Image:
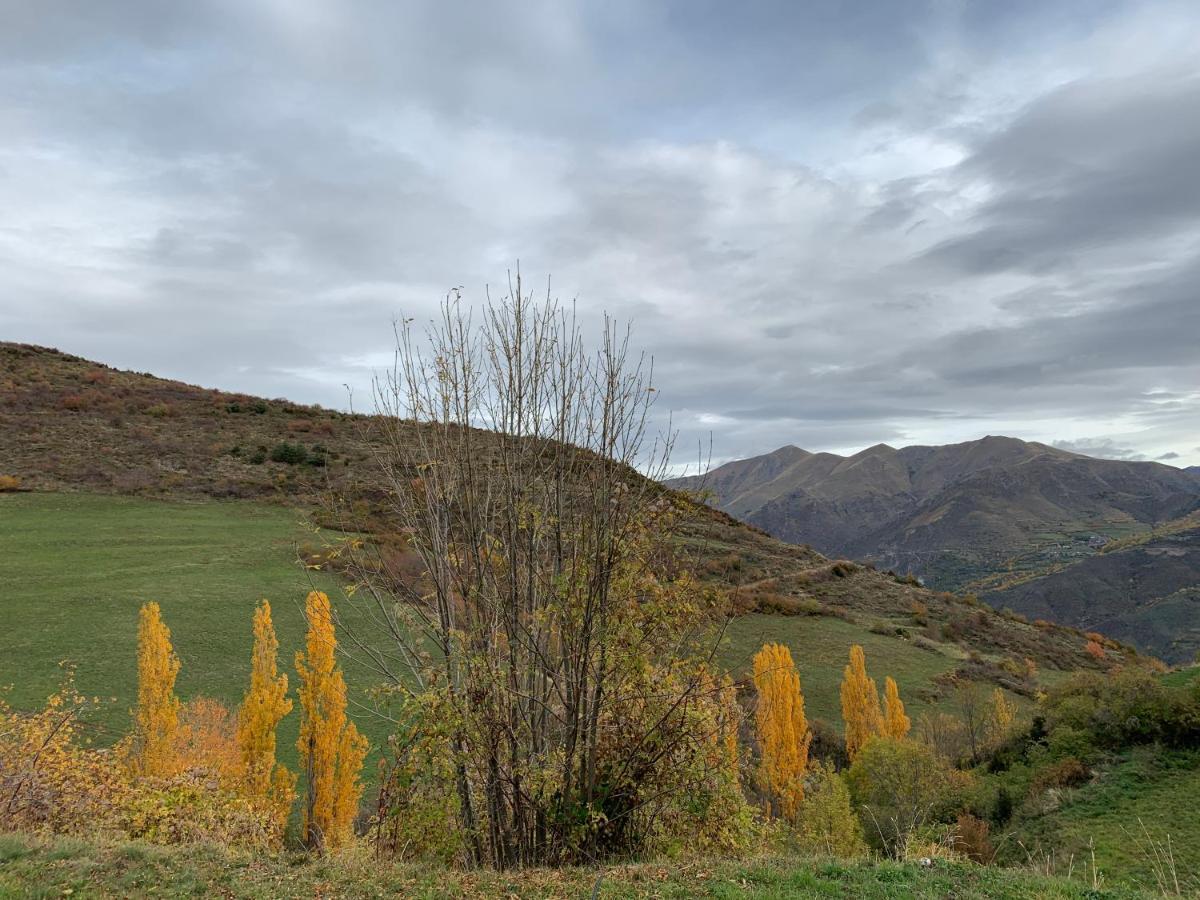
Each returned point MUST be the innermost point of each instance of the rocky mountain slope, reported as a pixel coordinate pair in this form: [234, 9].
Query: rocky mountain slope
[973, 516]
[1145, 590]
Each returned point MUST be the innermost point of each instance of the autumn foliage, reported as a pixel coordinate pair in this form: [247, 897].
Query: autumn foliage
[269, 784]
[895, 723]
[207, 739]
[1001, 715]
[781, 728]
[156, 719]
[860, 704]
[49, 776]
[331, 749]
[187, 772]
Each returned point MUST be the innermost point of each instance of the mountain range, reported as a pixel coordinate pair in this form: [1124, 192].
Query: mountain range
[1020, 523]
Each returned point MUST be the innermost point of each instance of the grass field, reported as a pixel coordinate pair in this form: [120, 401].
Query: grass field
[77, 567]
[820, 646]
[39, 867]
[1141, 799]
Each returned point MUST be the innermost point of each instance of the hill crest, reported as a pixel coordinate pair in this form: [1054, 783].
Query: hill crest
[70, 424]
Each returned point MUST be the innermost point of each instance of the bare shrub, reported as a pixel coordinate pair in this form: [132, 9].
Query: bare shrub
[972, 839]
[549, 626]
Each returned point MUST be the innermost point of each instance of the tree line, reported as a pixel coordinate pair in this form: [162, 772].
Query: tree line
[194, 770]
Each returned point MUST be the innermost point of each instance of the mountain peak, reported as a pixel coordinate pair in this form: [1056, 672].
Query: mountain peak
[876, 450]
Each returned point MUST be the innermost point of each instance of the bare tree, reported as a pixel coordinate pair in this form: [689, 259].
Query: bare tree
[970, 702]
[538, 601]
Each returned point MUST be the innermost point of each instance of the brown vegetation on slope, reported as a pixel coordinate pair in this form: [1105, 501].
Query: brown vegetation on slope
[67, 423]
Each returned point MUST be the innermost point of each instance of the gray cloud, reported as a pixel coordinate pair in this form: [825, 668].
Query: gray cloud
[1092, 165]
[1104, 448]
[831, 224]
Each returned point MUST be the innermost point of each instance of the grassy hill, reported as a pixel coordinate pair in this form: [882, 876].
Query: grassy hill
[40, 867]
[1135, 803]
[129, 487]
[1135, 814]
[981, 516]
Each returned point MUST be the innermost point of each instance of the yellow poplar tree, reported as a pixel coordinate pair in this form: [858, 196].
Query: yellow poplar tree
[1001, 713]
[895, 723]
[269, 785]
[781, 727]
[860, 704]
[156, 719]
[331, 749]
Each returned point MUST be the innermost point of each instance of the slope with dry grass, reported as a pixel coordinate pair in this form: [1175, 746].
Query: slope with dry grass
[69, 424]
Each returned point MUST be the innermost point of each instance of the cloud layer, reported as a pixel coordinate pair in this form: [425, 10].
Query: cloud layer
[831, 224]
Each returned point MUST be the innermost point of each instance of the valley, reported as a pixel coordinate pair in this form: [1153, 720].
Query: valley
[1002, 518]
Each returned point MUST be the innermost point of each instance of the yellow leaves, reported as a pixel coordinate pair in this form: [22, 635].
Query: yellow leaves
[1001, 714]
[185, 773]
[156, 718]
[895, 723]
[861, 712]
[50, 779]
[207, 739]
[270, 786]
[860, 703]
[331, 749]
[781, 728]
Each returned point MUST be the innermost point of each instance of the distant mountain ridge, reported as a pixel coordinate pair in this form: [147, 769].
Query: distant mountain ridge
[966, 516]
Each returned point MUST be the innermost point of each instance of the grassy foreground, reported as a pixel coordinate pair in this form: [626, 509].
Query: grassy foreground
[34, 866]
[1141, 806]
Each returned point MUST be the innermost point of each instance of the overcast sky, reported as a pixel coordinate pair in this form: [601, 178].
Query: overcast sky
[832, 223]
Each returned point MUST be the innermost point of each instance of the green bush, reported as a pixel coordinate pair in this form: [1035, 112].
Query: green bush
[900, 786]
[827, 825]
[1132, 706]
[291, 454]
[1068, 742]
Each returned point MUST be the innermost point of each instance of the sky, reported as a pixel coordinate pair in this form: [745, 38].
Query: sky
[832, 224]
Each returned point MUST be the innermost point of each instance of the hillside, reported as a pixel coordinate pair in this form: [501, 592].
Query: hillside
[975, 516]
[1144, 590]
[68, 424]
[1108, 776]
